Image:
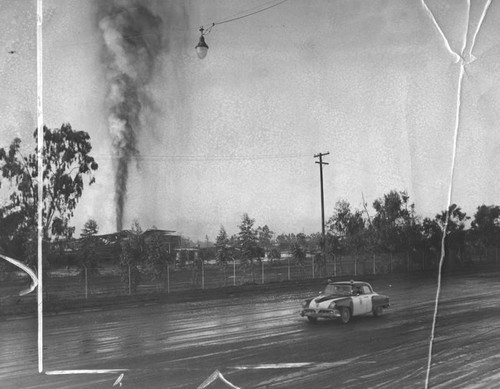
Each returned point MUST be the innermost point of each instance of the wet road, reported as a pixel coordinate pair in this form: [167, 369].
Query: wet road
[262, 342]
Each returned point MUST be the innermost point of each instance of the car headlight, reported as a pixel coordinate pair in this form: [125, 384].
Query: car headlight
[305, 303]
[332, 305]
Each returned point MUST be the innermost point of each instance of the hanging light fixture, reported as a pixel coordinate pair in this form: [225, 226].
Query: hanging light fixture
[201, 47]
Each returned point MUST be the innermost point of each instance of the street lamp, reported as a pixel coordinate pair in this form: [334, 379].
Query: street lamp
[201, 47]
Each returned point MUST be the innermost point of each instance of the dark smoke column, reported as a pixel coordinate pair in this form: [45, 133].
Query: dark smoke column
[132, 43]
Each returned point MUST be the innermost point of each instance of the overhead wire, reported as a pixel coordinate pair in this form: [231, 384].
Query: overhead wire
[243, 14]
[237, 16]
[350, 164]
[247, 11]
[202, 158]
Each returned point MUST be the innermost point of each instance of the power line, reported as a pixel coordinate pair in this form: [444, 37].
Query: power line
[249, 11]
[202, 158]
[246, 14]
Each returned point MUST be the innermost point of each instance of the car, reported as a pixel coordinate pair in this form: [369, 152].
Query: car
[344, 300]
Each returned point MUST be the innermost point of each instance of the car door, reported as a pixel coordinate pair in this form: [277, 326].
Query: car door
[366, 299]
[357, 305]
[362, 301]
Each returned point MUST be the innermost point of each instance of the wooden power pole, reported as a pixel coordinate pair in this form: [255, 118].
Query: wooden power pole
[321, 163]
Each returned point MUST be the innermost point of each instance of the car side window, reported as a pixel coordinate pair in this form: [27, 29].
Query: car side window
[366, 289]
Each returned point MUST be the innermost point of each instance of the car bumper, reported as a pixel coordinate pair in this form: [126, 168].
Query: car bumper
[320, 313]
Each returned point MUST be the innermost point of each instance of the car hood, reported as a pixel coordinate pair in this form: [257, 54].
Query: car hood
[325, 301]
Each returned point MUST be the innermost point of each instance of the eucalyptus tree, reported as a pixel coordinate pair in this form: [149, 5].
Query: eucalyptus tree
[453, 222]
[67, 166]
[345, 228]
[346, 232]
[395, 224]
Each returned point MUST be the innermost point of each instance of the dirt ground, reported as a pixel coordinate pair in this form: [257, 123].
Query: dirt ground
[255, 338]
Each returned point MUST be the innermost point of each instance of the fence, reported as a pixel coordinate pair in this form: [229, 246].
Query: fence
[113, 280]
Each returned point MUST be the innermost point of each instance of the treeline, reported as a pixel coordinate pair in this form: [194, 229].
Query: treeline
[391, 227]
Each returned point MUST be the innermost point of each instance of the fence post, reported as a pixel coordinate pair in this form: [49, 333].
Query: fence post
[129, 281]
[234, 272]
[355, 266]
[390, 263]
[86, 283]
[374, 269]
[202, 274]
[313, 266]
[262, 263]
[168, 278]
[288, 259]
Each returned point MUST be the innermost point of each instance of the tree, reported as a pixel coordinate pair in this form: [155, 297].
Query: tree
[248, 242]
[285, 241]
[298, 252]
[301, 239]
[247, 238]
[395, 225]
[274, 253]
[223, 251]
[346, 227]
[315, 242]
[132, 249]
[432, 233]
[453, 220]
[67, 164]
[90, 228]
[155, 257]
[265, 237]
[485, 227]
[315, 245]
[87, 255]
[456, 220]
[346, 232]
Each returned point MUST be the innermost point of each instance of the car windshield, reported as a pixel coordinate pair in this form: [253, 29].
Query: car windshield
[338, 289]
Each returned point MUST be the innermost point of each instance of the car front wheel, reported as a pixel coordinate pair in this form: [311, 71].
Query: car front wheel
[313, 320]
[345, 315]
[377, 312]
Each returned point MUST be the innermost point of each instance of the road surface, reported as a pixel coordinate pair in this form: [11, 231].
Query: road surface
[262, 342]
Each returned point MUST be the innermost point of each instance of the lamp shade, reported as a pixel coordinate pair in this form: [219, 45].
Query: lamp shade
[201, 48]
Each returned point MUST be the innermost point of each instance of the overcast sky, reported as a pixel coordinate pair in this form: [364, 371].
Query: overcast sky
[372, 82]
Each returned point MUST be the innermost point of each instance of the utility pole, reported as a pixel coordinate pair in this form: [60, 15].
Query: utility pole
[321, 163]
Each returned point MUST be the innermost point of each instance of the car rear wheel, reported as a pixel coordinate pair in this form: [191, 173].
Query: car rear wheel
[345, 315]
[377, 312]
[313, 320]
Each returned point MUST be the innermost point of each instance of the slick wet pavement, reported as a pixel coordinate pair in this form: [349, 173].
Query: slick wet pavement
[261, 342]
